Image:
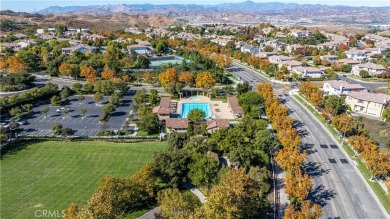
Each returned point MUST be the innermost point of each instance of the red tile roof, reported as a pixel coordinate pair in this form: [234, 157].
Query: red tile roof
[176, 123]
[217, 123]
[165, 105]
[233, 103]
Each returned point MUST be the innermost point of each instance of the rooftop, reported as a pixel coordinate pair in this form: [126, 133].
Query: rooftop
[176, 123]
[371, 97]
[337, 84]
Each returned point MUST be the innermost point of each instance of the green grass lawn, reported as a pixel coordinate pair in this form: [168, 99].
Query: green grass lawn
[51, 175]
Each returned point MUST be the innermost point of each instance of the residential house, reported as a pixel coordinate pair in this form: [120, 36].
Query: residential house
[347, 62]
[249, 48]
[265, 55]
[331, 45]
[235, 107]
[300, 34]
[25, 43]
[176, 124]
[329, 58]
[370, 67]
[93, 37]
[294, 47]
[355, 54]
[307, 72]
[290, 64]
[278, 59]
[164, 109]
[21, 36]
[81, 48]
[340, 88]
[13, 46]
[376, 50]
[216, 124]
[372, 104]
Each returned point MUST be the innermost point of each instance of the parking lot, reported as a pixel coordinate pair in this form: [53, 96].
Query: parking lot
[88, 125]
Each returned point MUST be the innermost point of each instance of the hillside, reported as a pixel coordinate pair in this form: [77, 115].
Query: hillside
[112, 21]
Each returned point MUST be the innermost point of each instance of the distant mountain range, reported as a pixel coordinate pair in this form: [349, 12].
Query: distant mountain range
[150, 8]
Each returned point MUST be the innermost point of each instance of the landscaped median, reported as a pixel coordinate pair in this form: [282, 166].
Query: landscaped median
[380, 193]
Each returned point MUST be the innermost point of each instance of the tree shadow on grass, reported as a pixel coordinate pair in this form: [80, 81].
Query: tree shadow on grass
[14, 147]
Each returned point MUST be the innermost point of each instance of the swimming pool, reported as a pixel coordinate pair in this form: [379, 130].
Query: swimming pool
[187, 107]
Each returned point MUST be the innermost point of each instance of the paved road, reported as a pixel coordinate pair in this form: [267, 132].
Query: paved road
[338, 187]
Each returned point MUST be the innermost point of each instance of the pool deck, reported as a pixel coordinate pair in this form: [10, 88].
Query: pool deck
[218, 109]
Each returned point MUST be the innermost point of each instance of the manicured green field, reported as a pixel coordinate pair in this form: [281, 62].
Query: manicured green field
[51, 175]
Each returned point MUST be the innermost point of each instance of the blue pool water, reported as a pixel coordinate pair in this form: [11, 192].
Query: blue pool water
[187, 107]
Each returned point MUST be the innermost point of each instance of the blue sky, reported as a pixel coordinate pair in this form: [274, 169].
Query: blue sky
[29, 5]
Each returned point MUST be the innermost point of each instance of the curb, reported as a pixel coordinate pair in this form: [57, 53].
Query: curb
[346, 154]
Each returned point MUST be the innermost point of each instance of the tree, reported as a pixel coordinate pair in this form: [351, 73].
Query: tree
[205, 80]
[71, 212]
[346, 68]
[149, 123]
[148, 77]
[83, 111]
[153, 97]
[98, 97]
[249, 99]
[15, 111]
[108, 74]
[15, 65]
[297, 186]
[60, 29]
[237, 196]
[171, 166]
[364, 74]
[68, 69]
[343, 123]
[174, 204]
[186, 78]
[65, 92]
[196, 115]
[65, 132]
[203, 171]
[55, 101]
[167, 77]
[307, 211]
[108, 108]
[89, 73]
[45, 110]
[336, 103]
[143, 62]
[243, 88]
[56, 129]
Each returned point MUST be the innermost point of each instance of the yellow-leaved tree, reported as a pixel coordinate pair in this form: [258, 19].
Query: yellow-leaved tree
[167, 77]
[205, 80]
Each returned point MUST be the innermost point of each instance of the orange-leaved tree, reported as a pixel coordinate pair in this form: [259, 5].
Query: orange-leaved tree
[167, 77]
[148, 77]
[108, 74]
[89, 73]
[306, 210]
[186, 78]
[15, 65]
[205, 80]
[67, 69]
